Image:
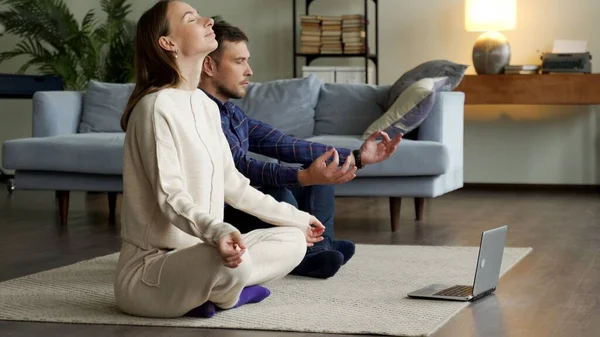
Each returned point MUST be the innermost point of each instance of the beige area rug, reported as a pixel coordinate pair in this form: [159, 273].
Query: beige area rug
[367, 296]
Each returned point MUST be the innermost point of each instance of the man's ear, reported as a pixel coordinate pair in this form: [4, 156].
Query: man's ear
[209, 66]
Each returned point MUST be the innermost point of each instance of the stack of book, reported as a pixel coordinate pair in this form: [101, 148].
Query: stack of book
[525, 69]
[331, 34]
[353, 34]
[310, 35]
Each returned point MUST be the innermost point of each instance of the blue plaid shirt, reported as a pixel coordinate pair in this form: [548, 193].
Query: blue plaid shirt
[246, 134]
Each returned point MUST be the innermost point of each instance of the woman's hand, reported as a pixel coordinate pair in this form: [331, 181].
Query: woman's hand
[314, 232]
[231, 247]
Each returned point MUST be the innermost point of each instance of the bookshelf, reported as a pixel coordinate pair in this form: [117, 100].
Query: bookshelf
[367, 54]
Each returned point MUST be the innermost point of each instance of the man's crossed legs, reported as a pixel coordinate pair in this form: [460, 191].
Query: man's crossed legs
[325, 258]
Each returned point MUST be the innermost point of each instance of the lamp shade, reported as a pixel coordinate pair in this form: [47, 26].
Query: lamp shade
[490, 15]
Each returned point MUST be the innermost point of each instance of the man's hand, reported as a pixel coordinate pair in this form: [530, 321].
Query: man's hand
[231, 247]
[372, 152]
[314, 232]
[319, 173]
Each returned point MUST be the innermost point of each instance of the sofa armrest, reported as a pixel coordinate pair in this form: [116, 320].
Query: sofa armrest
[445, 124]
[56, 112]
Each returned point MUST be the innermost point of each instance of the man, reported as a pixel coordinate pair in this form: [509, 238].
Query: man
[225, 75]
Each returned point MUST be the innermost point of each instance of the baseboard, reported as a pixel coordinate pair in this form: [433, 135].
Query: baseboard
[533, 187]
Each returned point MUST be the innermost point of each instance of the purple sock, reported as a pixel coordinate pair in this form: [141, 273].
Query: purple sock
[206, 310]
[252, 294]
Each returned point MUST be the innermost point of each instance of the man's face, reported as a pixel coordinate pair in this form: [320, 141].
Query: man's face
[233, 70]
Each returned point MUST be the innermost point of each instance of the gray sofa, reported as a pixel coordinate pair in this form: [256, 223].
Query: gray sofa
[77, 144]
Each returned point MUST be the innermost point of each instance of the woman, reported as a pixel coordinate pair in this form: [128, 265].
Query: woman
[178, 256]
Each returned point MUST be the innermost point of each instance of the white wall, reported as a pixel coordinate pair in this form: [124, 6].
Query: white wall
[503, 144]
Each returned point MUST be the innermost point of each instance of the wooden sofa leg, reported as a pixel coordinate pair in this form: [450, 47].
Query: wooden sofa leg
[63, 206]
[112, 206]
[419, 207]
[395, 203]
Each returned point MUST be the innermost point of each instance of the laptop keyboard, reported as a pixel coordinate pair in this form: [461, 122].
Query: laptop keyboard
[459, 291]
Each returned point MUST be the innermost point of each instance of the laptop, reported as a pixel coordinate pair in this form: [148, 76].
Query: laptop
[487, 272]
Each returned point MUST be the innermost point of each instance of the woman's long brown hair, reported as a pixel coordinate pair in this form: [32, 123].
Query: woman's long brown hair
[155, 68]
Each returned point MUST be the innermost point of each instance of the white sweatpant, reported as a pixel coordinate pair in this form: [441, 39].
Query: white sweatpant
[169, 284]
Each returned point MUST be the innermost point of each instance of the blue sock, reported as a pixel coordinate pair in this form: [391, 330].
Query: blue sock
[252, 294]
[345, 247]
[319, 264]
[206, 310]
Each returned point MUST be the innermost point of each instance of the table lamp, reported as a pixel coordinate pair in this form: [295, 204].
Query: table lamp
[491, 52]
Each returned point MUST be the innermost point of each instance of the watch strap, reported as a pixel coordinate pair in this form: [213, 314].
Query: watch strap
[357, 159]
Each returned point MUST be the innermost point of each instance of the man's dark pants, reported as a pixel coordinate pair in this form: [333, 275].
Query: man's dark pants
[317, 200]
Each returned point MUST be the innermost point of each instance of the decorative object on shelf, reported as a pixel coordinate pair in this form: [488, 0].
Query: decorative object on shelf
[521, 69]
[491, 52]
[56, 44]
[567, 56]
[578, 63]
[329, 36]
[353, 34]
[310, 35]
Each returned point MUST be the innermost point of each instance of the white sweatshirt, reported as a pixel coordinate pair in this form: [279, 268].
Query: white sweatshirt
[178, 173]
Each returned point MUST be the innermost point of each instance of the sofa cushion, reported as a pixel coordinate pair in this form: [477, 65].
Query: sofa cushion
[410, 109]
[348, 109]
[103, 105]
[430, 69]
[286, 104]
[100, 153]
[412, 158]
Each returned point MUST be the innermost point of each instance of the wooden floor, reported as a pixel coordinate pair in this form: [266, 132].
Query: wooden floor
[555, 291]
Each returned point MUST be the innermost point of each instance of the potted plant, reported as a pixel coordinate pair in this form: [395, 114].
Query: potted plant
[56, 44]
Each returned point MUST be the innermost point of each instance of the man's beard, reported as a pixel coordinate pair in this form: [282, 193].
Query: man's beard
[230, 93]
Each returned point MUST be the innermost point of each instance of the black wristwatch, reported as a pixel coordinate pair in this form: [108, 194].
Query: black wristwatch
[357, 160]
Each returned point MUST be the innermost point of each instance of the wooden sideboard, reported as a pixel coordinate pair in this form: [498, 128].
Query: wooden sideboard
[547, 89]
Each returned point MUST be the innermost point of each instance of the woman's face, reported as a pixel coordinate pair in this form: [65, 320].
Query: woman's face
[190, 34]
